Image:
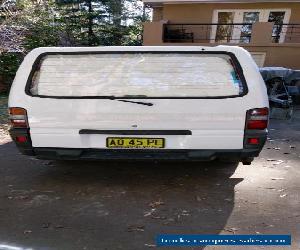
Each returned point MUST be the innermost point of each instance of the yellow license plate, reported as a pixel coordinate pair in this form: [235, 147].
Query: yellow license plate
[129, 142]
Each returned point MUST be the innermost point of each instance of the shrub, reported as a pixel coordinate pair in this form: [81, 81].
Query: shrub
[9, 63]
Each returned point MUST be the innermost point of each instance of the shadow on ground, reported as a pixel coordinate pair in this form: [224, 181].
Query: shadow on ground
[109, 205]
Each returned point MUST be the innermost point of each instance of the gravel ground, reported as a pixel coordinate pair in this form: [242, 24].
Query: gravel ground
[113, 205]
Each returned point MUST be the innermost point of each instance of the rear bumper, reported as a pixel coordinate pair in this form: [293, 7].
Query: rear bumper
[52, 153]
[138, 154]
[26, 147]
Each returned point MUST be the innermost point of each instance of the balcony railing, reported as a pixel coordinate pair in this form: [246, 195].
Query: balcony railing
[288, 33]
[202, 33]
[226, 33]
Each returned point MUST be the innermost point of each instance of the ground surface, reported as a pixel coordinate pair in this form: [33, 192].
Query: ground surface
[92, 205]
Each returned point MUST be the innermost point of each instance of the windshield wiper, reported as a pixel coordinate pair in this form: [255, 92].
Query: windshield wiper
[142, 103]
[130, 96]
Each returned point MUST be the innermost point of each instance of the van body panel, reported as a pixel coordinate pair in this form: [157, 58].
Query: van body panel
[211, 126]
[215, 123]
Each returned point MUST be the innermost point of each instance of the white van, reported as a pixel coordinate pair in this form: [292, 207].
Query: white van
[186, 102]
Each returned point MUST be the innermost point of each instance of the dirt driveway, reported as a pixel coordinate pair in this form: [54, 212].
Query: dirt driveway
[113, 205]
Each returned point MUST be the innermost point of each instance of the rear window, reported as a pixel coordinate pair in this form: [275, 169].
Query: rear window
[129, 75]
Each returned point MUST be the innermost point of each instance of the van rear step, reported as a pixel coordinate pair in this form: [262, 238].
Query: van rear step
[142, 154]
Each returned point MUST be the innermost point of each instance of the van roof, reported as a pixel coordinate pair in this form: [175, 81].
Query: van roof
[233, 49]
[239, 52]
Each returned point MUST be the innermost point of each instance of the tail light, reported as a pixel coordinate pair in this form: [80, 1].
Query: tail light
[253, 141]
[257, 119]
[21, 139]
[18, 117]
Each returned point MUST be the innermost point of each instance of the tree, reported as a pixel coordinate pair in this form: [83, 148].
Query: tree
[78, 19]
[102, 22]
[126, 20]
[27, 24]
[24, 25]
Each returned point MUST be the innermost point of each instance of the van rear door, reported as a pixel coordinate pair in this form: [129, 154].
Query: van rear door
[199, 92]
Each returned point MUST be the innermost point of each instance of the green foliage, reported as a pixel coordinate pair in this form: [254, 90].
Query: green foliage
[9, 63]
[69, 23]
[38, 21]
[41, 35]
[102, 22]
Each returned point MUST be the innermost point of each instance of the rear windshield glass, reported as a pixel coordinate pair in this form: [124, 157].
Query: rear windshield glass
[136, 74]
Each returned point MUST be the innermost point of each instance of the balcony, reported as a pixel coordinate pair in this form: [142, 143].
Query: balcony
[207, 33]
[221, 33]
[286, 33]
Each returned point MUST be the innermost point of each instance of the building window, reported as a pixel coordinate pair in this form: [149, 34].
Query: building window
[235, 25]
[224, 29]
[277, 17]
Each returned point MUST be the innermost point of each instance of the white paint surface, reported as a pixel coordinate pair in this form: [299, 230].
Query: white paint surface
[215, 123]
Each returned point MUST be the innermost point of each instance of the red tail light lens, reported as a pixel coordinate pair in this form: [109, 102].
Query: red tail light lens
[257, 124]
[257, 118]
[21, 139]
[259, 112]
[253, 141]
[18, 117]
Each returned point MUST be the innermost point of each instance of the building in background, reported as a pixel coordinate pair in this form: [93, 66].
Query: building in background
[269, 29]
